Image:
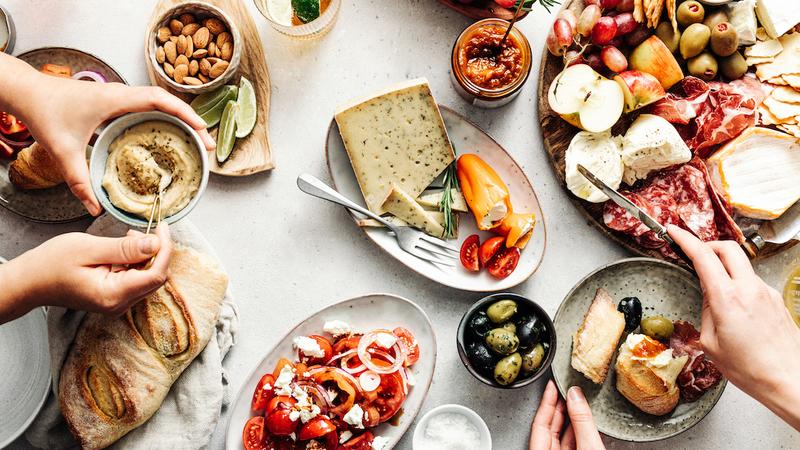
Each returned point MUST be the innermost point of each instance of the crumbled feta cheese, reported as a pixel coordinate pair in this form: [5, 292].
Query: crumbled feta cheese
[293, 436]
[308, 346]
[285, 378]
[385, 340]
[337, 328]
[304, 409]
[380, 443]
[355, 416]
[345, 436]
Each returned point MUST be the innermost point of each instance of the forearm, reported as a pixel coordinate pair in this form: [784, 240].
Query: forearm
[16, 297]
[782, 396]
[20, 87]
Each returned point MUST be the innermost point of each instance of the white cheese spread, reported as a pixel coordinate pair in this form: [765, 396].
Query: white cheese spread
[450, 431]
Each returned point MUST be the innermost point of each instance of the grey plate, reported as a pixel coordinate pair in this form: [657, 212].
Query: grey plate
[25, 382]
[57, 204]
[664, 289]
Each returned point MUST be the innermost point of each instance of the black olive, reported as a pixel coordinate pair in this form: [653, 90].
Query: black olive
[632, 308]
[479, 325]
[481, 358]
[529, 330]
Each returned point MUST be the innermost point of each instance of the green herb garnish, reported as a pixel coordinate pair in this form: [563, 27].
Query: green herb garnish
[527, 5]
[306, 10]
[446, 204]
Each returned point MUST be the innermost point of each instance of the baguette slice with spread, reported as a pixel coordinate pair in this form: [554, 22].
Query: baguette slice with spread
[594, 342]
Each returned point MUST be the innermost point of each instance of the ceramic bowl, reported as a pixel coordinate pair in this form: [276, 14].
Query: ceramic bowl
[7, 32]
[99, 156]
[486, 437]
[201, 11]
[312, 30]
[524, 304]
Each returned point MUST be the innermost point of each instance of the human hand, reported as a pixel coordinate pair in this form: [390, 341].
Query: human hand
[85, 272]
[64, 114]
[746, 329]
[546, 429]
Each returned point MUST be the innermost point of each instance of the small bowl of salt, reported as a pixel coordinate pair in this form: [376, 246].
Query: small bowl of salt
[452, 427]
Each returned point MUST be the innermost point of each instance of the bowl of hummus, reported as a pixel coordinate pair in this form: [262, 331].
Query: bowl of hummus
[141, 154]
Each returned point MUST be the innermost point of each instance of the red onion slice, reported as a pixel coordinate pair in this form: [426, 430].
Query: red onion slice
[90, 74]
[365, 354]
[369, 380]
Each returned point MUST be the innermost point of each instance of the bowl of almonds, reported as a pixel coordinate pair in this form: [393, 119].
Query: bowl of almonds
[195, 47]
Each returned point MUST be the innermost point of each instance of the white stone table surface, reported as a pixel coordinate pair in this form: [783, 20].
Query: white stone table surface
[289, 254]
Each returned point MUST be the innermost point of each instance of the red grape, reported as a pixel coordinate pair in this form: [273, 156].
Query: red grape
[625, 5]
[614, 59]
[592, 2]
[637, 36]
[594, 61]
[609, 4]
[569, 16]
[604, 30]
[618, 42]
[588, 19]
[563, 32]
[625, 23]
[552, 44]
[572, 57]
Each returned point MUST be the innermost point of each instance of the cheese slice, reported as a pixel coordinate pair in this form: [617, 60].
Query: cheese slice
[397, 136]
[433, 198]
[757, 172]
[777, 16]
[372, 223]
[404, 207]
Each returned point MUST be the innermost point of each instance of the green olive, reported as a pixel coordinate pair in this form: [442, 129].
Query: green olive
[657, 327]
[501, 311]
[669, 36]
[507, 369]
[733, 67]
[510, 327]
[532, 359]
[703, 66]
[724, 39]
[502, 341]
[694, 40]
[690, 12]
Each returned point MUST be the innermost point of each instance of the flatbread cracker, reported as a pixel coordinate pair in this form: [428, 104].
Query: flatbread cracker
[781, 110]
[756, 60]
[794, 130]
[761, 34]
[786, 95]
[764, 49]
[788, 61]
[793, 79]
[766, 116]
[779, 81]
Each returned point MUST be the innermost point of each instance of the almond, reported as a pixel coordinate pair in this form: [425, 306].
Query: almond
[163, 34]
[187, 18]
[214, 25]
[169, 69]
[190, 29]
[223, 38]
[181, 71]
[161, 55]
[173, 39]
[205, 66]
[189, 48]
[212, 49]
[200, 54]
[181, 45]
[201, 38]
[193, 67]
[227, 51]
[218, 69]
[181, 60]
[203, 78]
[175, 26]
[192, 81]
[213, 60]
[170, 51]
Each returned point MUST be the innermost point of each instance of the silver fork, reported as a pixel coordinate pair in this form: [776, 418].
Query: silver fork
[412, 241]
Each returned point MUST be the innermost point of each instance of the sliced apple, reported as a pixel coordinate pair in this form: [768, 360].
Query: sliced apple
[640, 89]
[586, 99]
[653, 57]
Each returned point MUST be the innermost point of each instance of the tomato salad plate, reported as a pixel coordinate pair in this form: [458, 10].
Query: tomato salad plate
[420, 164]
[352, 376]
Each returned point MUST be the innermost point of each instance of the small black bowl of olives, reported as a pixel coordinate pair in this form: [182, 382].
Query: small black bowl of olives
[506, 340]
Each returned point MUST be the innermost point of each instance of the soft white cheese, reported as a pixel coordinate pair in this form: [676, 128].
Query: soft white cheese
[355, 417]
[308, 346]
[385, 340]
[345, 436]
[380, 443]
[660, 360]
[497, 212]
[777, 16]
[600, 154]
[651, 143]
[280, 11]
[742, 15]
[337, 328]
[285, 378]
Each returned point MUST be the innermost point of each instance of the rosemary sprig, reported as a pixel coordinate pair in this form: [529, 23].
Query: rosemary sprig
[527, 5]
[450, 183]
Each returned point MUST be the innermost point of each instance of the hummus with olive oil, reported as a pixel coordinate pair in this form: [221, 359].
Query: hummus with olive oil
[140, 157]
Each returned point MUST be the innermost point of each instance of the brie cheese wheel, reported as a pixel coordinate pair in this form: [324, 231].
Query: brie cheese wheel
[777, 16]
[600, 154]
[757, 172]
[651, 143]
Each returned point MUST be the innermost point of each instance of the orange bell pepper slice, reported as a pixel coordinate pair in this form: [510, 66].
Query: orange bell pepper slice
[56, 70]
[482, 188]
[517, 228]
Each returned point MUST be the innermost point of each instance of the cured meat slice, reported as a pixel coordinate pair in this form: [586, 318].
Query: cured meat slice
[690, 190]
[685, 103]
[699, 374]
[727, 228]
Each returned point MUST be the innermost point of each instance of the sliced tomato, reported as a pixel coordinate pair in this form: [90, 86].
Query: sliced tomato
[504, 262]
[332, 440]
[360, 442]
[279, 421]
[345, 391]
[253, 434]
[346, 344]
[278, 367]
[469, 253]
[315, 428]
[372, 417]
[489, 248]
[10, 124]
[410, 342]
[326, 347]
[280, 400]
[390, 396]
[263, 394]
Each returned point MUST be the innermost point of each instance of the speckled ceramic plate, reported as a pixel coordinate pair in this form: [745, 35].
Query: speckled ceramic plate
[466, 138]
[664, 289]
[57, 204]
[25, 382]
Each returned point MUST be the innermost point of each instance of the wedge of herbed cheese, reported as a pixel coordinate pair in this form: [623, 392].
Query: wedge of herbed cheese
[432, 199]
[404, 207]
[397, 136]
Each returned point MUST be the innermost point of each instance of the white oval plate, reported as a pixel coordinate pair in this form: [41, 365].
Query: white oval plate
[466, 138]
[26, 380]
[363, 313]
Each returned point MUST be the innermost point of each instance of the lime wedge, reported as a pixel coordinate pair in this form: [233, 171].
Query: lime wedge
[248, 110]
[209, 112]
[227, 131]
[791, 294]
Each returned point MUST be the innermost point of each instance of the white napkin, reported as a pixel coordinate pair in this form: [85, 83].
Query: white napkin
[189, 414]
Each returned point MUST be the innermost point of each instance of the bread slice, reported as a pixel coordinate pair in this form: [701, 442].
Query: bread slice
[651, 389]
[593, 344]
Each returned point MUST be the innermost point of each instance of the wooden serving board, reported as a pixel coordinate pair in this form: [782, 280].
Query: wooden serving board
[251, 154]
[483, 10]
[557, 135]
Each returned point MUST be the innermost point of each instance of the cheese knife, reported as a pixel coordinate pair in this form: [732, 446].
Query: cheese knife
[635, 211]
[778, 231]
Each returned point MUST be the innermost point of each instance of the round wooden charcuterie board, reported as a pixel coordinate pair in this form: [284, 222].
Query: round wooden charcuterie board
[557, 134]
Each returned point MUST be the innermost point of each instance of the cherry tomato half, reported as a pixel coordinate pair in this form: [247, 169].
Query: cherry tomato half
[317, 427]
[326, 347]
[253, 434]
[278, 367]
[489, 248]
[263, 393]
[10, 124]
[279, 422]
[361, 442]
[504, 263]
[506, 3]
[284, 400]
[346, 344]
[410, 342]
[469, 253]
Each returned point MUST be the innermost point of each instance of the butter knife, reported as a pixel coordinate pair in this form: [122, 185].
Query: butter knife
[777, 231]
[635, 211]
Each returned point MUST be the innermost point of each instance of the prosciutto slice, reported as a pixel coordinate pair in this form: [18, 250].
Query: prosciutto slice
[699, 374]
